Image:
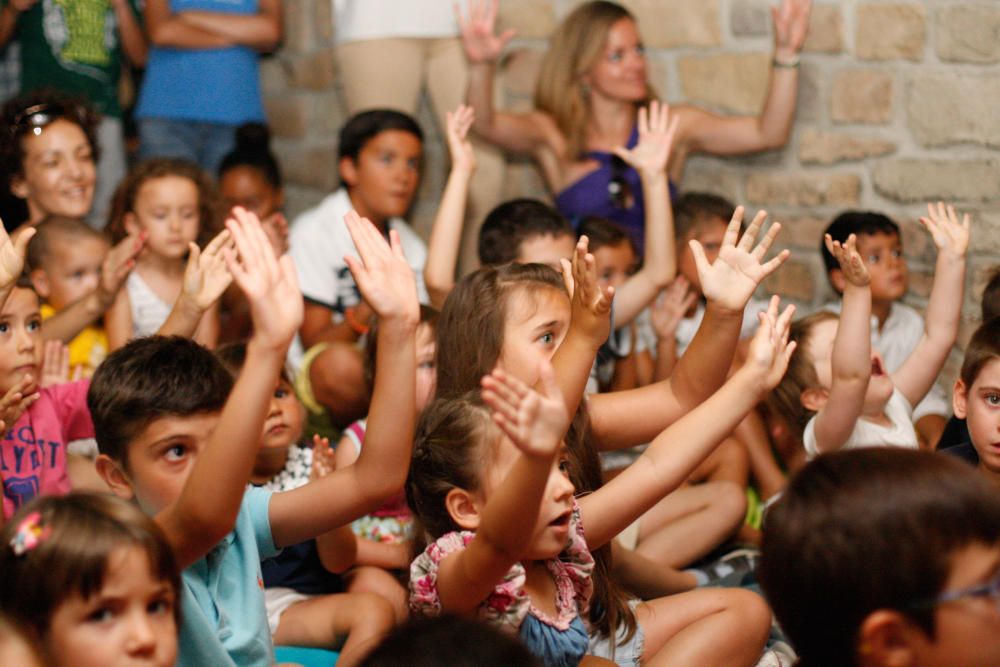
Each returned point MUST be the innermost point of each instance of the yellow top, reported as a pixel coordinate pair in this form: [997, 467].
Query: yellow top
[87, 350]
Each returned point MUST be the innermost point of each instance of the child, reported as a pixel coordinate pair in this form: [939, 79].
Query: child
[172, 440]
[386, 535]
[510, 543]
[896, 327]
[883, 557]
[837, 390]
[518, 315]
[92, 580]
[305, 599]
[975, 400]
[172, 202]
[380, 153]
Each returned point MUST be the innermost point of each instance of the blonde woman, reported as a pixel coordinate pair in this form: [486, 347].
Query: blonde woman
[592, 82]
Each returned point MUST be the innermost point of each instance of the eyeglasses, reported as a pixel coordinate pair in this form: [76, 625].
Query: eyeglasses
[619, 191]
[990, 589]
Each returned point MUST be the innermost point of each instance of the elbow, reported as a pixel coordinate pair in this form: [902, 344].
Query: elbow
[159, 35]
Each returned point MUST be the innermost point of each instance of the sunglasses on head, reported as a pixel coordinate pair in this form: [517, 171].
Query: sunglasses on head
[619, 191]
[36, 117]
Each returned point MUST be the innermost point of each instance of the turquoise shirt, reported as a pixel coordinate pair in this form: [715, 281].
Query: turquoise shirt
[223, 619]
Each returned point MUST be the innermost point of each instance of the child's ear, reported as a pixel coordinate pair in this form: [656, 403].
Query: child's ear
[814, 399]
[131, 222]
[464, 508]
[19, 187]
[114, 477]
[348, 171]
[886, 637]
[838, 280]
[960, 399]
[40, 280]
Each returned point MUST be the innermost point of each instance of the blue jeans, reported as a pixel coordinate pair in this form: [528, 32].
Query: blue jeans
[202, 143]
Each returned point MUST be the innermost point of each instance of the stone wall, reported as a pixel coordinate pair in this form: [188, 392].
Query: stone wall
[896, 106]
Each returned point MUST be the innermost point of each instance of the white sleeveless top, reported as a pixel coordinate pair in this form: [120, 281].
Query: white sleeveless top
[149, 311]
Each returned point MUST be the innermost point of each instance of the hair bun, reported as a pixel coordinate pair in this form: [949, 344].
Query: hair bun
[253, 137]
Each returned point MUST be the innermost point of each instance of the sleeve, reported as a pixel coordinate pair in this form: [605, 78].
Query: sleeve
[507, 605]
[256, 503]
[579, 562]
[70, 403]
[317, 275]
[356, 434]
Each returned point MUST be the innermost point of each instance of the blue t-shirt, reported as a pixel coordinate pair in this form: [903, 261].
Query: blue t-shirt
[208, 85]
[223, 618]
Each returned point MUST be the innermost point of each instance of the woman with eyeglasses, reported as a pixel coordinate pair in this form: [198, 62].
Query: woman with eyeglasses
[592, 82]
[48, 151]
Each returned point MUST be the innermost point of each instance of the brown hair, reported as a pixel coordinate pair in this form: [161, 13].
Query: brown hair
[983, 347]
[601, 233]
[574, 48]
[469, 343]
[84, 529]
[209, 205]
[693, 211]
[54, 227]
[861, 530]
[428, 316]
[786, 398]
[234, 355]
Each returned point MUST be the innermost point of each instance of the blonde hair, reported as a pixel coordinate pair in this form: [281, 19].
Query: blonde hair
[575, 47]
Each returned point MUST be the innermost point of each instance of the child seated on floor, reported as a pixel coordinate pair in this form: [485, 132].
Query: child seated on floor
[896, 327]
[886, 557]
[837, 390]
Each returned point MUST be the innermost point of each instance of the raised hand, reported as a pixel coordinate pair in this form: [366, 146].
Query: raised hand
[17, 400]
[117, 265]
[55, 364]
[206, 275]
[943, 224]
[478, 38]
[383, 277]
[670, 307]
[271, 285]
[791, 24]
[276, 228]
[770, 350]
[657, 129]
[324, 460]
[12, 254]
[590, 304]
[731, 280]
[535, 422]
[457, 125]
[851, 265]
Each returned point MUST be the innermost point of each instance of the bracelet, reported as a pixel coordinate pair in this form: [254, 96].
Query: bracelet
[786, 64]
[357, 327]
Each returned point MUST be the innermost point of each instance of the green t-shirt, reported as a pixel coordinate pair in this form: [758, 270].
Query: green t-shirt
[74, 46]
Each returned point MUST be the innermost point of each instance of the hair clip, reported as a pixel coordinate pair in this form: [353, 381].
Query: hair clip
[30, 533]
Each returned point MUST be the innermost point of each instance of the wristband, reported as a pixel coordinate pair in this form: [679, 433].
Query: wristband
[357, 327]
[792, 63]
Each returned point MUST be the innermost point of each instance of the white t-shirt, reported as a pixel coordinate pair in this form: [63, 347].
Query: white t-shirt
[868, 434]
[899, 336]
[319, 240]
[355, 20]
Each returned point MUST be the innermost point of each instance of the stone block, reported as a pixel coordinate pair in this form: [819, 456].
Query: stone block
[750, 18]
[920, 180]
[820, 147]
[793, 280]
[312, 167]
[323, 20]
[812, 84]
[986, 232]
[952, 108]
[523, 179]
[801, 232]
[968, 33]
[713, 175]
[662, 27]
[529, 18]
[801, 188]
[920, 282]
[300, 37]
[861, 96]
[519, 73]
[918, 246]
[288, 115]
[273, 75]
[314, 71]
[826, 30]
[891, 31]
[733, 82]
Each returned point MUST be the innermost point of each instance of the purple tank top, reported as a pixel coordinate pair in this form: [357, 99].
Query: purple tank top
[590, 195]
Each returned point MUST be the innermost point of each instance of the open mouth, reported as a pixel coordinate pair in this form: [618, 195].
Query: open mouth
[561, 520]
[877, 369]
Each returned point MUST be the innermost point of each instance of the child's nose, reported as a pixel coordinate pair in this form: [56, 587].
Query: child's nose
[141, 636]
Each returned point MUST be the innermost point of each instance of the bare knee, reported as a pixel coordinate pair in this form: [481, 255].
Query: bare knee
[750, 613]
[374, 580]
[729, 503]
[371, 611]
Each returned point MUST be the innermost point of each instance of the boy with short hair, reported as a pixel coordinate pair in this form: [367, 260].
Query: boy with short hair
[380, 152]
[525, 230]
[846, 594]
[976, 399]
[896, 327]
[172, 440]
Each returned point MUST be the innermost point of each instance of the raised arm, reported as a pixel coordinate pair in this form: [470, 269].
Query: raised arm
[132, 37]
[705, 132]
[206, 278]
[944, 309]
[650, 156]
[337, 549]
[210, 501]
[676, 452]
[851, 359]
[446, 235]
[536, 423]
[12, 257]
[629, 418]
[168, 29]
[261, 31]
[9, 15]
[387, 284]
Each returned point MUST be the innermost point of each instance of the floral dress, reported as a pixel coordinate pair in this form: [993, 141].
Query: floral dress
[560, 641]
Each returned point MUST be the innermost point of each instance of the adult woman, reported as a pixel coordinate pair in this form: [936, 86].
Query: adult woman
[48, 151]
[592, 82]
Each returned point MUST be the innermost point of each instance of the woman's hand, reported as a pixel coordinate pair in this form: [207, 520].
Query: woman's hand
[478, 38]
[791, 24]
[657, 129]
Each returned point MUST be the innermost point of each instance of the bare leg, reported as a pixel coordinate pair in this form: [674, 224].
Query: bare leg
[705, 628]
[376, 581]
[690, 522]
[727, 463]
[646, 578]
[322, 622]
